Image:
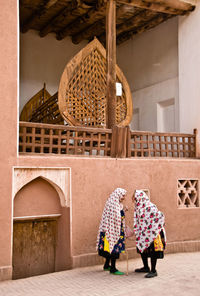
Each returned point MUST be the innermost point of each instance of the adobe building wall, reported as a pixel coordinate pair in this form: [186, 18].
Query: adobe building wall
[93, 179]
[8, 120]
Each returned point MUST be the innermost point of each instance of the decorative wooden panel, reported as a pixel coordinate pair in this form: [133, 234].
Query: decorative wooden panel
[34, 245]
[82, 90]
[188, 196]
[42, 108]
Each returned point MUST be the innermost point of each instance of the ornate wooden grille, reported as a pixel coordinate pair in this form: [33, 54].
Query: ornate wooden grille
[85, 98]
[82, 94]
[42, 108]
[82, 90]
[86, 92]
[147, 144]
[47, 138]
[188, 194]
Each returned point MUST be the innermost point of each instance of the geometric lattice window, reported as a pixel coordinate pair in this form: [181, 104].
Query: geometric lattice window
[188, 195]
[82, 90]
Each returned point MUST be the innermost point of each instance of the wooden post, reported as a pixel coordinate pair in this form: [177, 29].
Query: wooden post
[128, 142]
[111, 63]
[119, 142]
[197, 143]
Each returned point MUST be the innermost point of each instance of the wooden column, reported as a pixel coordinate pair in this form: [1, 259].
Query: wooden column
[120, 142]
[111, 63]
[197, 143]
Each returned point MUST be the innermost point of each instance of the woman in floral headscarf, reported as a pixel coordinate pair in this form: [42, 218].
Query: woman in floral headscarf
[110, 239]
[149, 231]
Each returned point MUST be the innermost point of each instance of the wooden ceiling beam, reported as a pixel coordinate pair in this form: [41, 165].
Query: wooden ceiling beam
[143, 16]
[98, 27]
[151, 24]
[175, 7]
[41, 9]
[134, 21]
[59, 18]
[90, 17]
[89, 32]
[176, 4]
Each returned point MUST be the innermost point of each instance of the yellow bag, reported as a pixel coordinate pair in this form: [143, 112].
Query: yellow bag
[158, 245]
[106, 245]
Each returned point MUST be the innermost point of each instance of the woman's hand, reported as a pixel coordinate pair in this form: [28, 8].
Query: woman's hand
[125, 208]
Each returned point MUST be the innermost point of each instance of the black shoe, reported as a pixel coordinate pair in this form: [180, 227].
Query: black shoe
[143, 269]
[107, 268]
[151, 274]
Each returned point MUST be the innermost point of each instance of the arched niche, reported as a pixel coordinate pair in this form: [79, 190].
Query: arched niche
[59, 178]
[41, 224]
[37, 198]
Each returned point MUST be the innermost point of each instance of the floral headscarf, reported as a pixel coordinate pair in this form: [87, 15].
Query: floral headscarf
[148, 221]
[111, 218]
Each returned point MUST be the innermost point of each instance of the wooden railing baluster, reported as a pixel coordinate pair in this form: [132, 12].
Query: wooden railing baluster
[119, 142]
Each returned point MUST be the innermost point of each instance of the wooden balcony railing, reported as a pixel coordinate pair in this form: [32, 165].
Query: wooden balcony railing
[118, 142]
[147, 144]
[59, 139]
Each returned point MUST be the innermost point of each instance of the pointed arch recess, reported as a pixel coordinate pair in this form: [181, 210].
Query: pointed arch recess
[59, 178]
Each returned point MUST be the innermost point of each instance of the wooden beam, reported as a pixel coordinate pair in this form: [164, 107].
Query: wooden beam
[42, 9]
[176, 4]
[98, 27]
[135, 21]
[111, 63]
[193, 2]
[151, 24]
[175, 7]
[59, 18]
[90, 17]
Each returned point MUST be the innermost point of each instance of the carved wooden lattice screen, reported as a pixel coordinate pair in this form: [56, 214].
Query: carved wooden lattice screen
[43, 108]
[82, 90]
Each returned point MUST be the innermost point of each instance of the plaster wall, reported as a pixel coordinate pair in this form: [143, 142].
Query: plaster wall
[8, 119]
[147, 102]
[43, 60]
[93, 179]
[189, 70]
[151, 57]
[150, 63]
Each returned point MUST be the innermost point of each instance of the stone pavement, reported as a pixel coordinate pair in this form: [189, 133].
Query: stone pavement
[178, 274]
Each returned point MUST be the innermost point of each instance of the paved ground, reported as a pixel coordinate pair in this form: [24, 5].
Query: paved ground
[178, 274]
